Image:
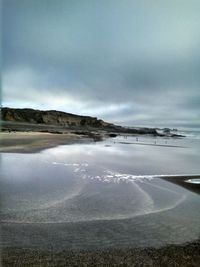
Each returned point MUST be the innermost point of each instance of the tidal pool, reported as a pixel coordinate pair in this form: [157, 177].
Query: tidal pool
[106, 194]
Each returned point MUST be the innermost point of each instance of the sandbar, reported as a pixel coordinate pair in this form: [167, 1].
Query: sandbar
[30, 142]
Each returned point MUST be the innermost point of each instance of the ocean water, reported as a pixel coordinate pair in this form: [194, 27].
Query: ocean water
[191, 133]
[105, 194]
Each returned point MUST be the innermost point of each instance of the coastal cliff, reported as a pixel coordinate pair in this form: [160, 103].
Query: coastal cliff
[26, 119]
[50, 117]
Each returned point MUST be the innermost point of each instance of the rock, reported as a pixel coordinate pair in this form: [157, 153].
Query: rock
[58, 121]
[112, 135]
[51, 117]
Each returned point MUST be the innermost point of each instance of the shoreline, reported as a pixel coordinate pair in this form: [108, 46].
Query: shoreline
[33, 141]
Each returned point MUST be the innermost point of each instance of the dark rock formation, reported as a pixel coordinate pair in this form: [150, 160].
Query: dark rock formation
[14, 119]
[49, 117]
[112, 135]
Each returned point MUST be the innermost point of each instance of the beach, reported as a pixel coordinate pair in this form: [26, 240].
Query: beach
[100, 134]
[29, 142]
[124, 201]
[184, 256]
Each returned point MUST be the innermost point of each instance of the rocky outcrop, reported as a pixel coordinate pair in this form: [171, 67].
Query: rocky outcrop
[50, 117]
[14, 119]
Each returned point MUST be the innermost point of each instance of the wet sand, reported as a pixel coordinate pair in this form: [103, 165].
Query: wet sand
[187, 254]
[33, 141]
[182, 181]
[29, 142]
[169, 256]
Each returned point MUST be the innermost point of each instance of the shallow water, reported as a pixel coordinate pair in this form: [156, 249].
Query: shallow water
[110, 193]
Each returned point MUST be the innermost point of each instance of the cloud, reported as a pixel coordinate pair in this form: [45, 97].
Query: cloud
[128, 62]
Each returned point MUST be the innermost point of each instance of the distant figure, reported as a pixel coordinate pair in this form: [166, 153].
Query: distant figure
[165, 141]
[155, 142]
[137, 139]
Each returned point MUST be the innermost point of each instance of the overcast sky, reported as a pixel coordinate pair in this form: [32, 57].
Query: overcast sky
[128, 62]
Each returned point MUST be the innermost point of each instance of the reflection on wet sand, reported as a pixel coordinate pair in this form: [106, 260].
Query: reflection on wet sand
[100, 195]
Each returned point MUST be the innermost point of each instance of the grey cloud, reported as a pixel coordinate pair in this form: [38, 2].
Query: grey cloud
[140, 56]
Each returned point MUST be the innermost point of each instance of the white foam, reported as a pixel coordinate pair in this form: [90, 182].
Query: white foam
[117, 177]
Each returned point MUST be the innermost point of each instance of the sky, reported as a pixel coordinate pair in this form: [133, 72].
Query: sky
[130, 62]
